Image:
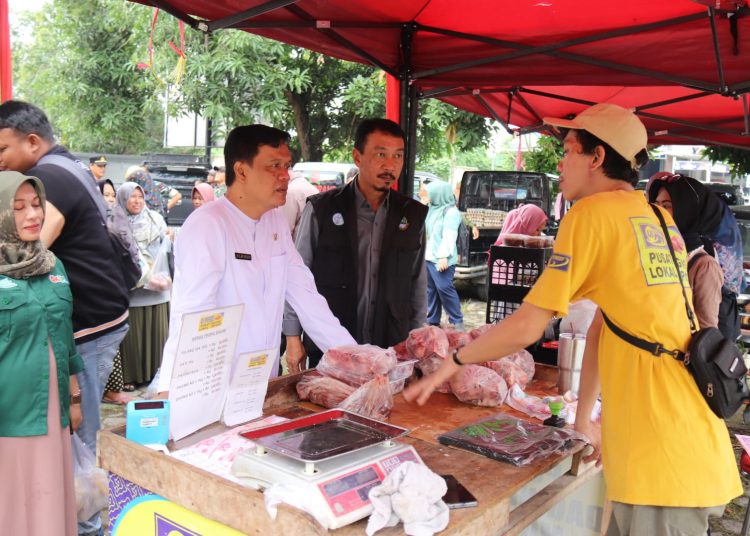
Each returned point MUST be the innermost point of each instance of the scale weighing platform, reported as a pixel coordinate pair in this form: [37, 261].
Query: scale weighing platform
[334, 457]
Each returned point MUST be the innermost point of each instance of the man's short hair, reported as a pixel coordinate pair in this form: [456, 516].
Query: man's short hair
[368, 126]
[243, 144]
[615, 166]
[25, 118]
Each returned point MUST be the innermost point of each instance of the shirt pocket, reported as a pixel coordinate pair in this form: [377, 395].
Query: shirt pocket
[12, 311]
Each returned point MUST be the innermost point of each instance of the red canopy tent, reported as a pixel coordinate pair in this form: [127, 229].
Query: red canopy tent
[682, 65]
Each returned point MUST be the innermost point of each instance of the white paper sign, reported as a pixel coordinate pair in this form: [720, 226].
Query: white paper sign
[247, 390]
[744, 441]
[202, 365]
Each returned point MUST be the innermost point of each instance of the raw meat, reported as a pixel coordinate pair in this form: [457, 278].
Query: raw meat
[523, 359]
[479, 386]
[402, 354]
[322, 390]
[430, 365]
[374, 399]
[477, 332]
[356, 365]
[427, 341]
[457, 339]
[510, 372]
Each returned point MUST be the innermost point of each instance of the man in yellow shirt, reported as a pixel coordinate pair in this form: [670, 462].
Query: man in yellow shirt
[668, 461]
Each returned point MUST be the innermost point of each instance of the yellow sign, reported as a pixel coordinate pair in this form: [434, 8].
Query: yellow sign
[656, 259]
[257, 360]
[210, 321]
[152, 514]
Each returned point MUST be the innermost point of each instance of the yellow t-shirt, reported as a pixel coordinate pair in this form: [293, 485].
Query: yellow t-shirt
[661, 444]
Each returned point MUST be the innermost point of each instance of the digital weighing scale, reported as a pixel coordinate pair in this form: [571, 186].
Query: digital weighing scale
[334, 457]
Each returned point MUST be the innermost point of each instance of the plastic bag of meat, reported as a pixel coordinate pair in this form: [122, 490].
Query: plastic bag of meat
[374, 399]
[479, 386]
[356, 365]
[481, 330]
[524, 359]
[457, 339]
[510, 372]
[427, 341]
[402, 354]
[322, 390]
[430, 365]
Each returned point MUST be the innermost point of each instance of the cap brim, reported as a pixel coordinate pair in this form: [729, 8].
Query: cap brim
[560, 122]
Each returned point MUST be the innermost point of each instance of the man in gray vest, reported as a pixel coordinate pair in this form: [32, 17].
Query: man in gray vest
[364, 243]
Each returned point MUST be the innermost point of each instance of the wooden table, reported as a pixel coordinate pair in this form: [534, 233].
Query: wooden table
[495, 484]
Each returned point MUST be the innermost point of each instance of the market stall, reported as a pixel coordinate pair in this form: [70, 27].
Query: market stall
[173, 495]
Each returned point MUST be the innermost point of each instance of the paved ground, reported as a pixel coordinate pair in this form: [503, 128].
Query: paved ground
[474, 316]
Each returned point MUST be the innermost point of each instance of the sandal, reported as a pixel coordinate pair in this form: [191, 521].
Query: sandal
[128, 388]
[116, 398]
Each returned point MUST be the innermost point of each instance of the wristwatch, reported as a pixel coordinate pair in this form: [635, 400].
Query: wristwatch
[456, 360]
[75, 399]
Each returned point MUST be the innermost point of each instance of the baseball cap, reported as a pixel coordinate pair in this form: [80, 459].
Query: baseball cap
[98, 160]
[617, 127]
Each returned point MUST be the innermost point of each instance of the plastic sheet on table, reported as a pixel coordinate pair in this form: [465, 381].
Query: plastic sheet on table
[505, 438]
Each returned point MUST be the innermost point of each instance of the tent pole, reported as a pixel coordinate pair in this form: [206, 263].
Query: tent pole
[745, 113]
[237, 18]
[717, 52]
[404, 183]
[407, 185]
[6, 70]
[492, 112]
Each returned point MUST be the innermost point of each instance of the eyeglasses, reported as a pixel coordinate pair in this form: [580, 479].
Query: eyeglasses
[669, 178]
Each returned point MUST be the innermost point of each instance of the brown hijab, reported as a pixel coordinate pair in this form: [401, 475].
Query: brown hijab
[19, 259]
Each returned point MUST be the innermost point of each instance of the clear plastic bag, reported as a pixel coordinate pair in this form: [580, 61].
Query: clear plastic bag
[374, 399]
[159, 278]
[505, 438]
[91, 485]
[357, 364]
[479, 385]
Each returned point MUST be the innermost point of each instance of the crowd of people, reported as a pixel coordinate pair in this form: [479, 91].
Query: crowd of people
[360, 264]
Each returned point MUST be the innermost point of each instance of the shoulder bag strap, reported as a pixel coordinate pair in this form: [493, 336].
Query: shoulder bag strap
[688, 309]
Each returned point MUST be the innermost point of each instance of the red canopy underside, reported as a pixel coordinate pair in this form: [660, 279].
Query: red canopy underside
[635, 54]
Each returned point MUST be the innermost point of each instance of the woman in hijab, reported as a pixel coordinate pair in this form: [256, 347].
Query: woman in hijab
[526, 220]
[202, 193]
[151, 194]
[39, 395]
[714, 253]
[441, 255]
[149, 302]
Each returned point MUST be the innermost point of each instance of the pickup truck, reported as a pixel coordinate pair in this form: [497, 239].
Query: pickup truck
[484, 199]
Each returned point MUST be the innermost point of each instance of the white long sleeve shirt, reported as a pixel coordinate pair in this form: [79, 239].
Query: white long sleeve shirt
[223, 257]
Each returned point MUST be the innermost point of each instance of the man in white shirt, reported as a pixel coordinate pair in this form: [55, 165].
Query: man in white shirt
[299, 190]
[238, 249]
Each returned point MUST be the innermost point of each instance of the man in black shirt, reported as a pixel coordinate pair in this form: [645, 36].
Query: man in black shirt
[75, 232]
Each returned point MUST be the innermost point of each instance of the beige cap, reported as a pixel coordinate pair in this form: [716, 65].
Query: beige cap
[619, 128]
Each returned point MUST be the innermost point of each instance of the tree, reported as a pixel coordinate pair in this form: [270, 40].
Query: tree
[738, 160]
[545, 156]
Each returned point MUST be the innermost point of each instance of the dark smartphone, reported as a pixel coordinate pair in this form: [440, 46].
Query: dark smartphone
[457, 496]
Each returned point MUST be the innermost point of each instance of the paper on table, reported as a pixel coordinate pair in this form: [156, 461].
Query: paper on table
[202, 364]
[248, 386]
[744, 441]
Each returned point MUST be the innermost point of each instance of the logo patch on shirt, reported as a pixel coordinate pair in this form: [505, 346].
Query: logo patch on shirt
[656, 260]
[243, 256]
[558, 261]
[57, 278]
[404, 224]
[338, 219]
[7, 283]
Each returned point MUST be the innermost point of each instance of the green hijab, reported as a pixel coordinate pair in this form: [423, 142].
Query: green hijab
[441, 199]
[19, 259]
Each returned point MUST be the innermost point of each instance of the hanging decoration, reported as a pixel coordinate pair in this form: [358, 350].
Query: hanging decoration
[177, 74]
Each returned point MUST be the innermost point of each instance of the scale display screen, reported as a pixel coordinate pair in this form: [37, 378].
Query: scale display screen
[349, 492]
[342, 485]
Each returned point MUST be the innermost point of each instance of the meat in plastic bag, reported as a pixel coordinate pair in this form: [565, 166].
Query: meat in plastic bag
[430, 365]
[427, 341]
[356, 364]
[323, 391]
[402, 354]
[374, 399]
[479, 386]
[481, 330]
[525, 360]
[457, 339]
[509, 371]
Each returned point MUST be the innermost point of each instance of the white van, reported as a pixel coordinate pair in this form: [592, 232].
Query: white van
[326, 175]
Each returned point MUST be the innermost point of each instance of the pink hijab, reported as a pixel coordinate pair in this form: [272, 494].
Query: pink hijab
[524, 220]
[206, 191]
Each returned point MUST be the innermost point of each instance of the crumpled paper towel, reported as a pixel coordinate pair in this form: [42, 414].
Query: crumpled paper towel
[413, 494]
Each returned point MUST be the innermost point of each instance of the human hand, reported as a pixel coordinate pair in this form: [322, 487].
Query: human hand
[442, 265]
[593, 433]
[170, 234]
[295, 354]
[76, 416]
[421, 391]
[475, 232]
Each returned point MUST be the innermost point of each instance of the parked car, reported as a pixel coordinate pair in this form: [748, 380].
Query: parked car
[421, 177]
[483, 196]
[179, 172]
[730, 193]
[326, 175]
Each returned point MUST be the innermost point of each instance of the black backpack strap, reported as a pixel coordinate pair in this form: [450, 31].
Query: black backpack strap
[654, 348]
[694, 258]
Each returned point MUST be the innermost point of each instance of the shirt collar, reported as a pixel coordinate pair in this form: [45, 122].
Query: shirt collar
[359, 196]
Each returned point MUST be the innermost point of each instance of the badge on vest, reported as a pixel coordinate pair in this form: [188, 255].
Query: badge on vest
[338, 219]
[404, 225]
[57, 279]
[7, 283]
[243, 256]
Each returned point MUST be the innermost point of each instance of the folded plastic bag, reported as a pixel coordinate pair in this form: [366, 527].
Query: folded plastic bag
[531, 405]
[92, 489]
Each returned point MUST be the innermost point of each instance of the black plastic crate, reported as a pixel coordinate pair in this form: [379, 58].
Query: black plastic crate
[512, 272]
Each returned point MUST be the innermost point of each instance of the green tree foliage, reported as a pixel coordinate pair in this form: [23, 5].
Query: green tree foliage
[738, 160]
[81, 69]
[545, 156]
